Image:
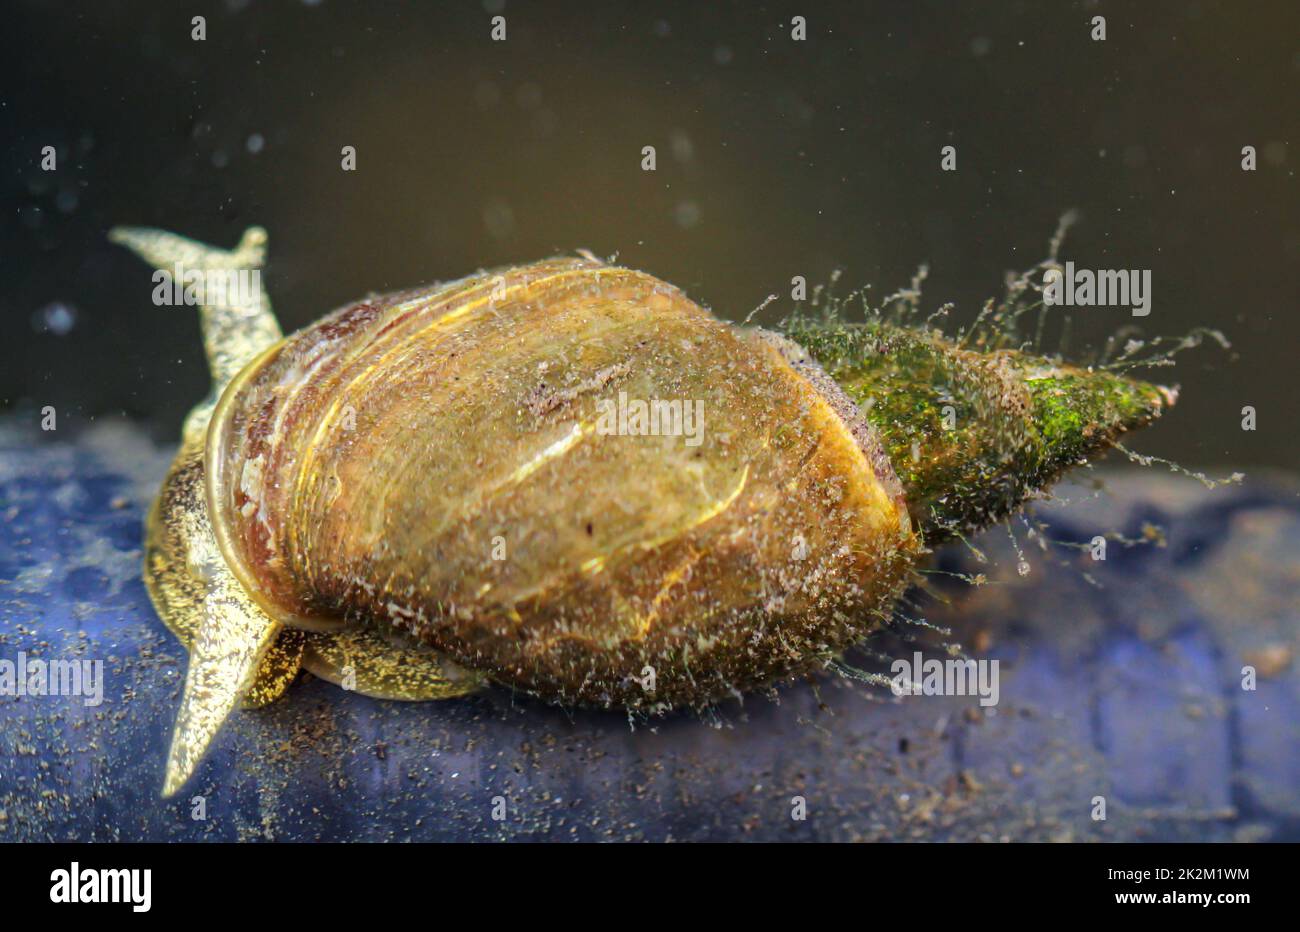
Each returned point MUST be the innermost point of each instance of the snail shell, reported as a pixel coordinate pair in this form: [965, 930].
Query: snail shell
[436, 487]
[441, 461]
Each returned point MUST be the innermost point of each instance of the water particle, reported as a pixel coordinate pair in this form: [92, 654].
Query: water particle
[499, 219]
[687, 214]
[56, 317]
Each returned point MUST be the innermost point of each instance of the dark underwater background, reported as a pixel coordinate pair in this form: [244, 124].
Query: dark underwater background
[775, 158]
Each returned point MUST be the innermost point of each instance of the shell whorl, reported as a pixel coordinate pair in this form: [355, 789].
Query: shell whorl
[435, 460]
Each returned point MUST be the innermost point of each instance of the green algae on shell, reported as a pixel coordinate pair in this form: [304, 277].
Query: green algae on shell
[972, 434]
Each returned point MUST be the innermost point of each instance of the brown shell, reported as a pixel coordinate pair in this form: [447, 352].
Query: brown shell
[439, 461]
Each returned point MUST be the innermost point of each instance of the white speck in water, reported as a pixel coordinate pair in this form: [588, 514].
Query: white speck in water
[56, 317]
[255, 143]
[499, 219]
[683, 149]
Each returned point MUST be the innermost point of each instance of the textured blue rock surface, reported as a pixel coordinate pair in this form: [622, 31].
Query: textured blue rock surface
[1129, 689]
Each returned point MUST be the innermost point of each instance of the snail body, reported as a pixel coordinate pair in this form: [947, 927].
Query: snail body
[436, 460]
[432, 489]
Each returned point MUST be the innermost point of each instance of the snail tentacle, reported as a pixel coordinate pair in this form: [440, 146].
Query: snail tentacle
[236, 653]
[225, 657]
[241, 653]
[236, 326]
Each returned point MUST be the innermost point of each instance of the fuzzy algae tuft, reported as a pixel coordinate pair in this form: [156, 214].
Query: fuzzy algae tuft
[972, 434]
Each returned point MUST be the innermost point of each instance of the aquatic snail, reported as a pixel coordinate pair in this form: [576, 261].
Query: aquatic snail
[414, 496]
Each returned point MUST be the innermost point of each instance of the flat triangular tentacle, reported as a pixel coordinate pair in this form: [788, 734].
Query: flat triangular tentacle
[238, 322]
[224, 660]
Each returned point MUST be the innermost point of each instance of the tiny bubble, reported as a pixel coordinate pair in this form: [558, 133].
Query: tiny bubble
[683, 150]
[56, 318]
[499, 219]
[687, 214]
